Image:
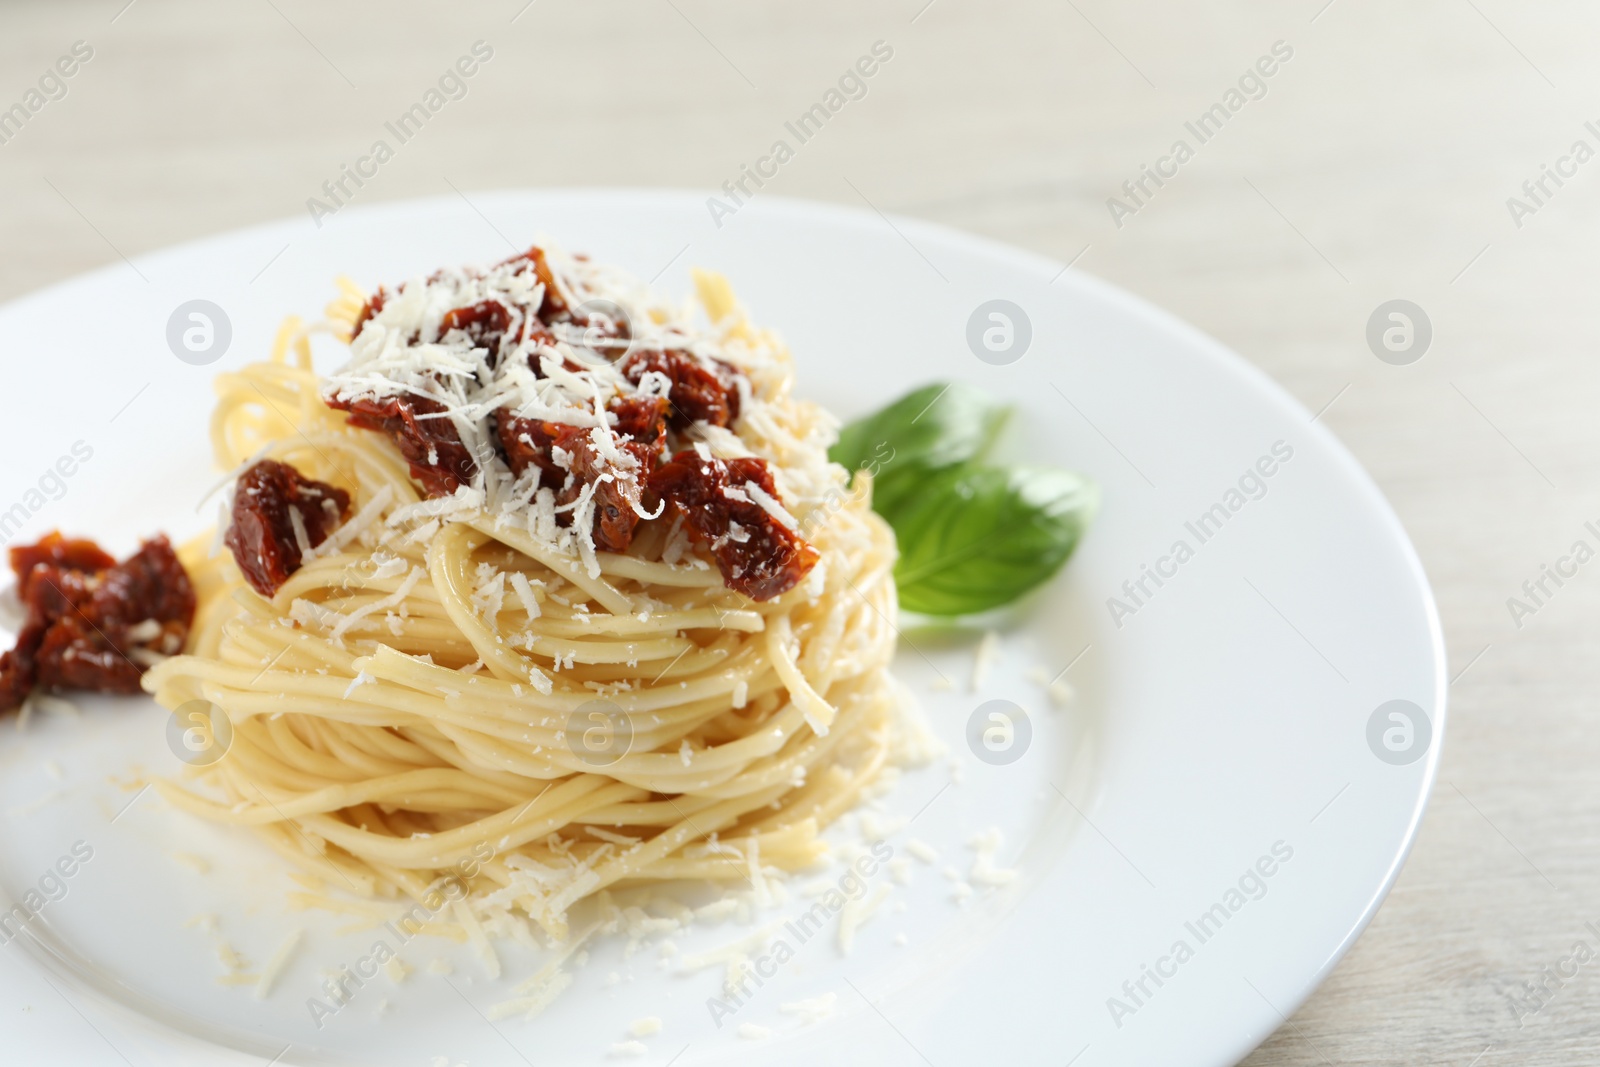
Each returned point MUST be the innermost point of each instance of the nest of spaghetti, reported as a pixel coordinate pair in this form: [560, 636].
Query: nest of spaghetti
[452, 701]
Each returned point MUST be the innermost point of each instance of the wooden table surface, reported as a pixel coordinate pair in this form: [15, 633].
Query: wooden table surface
[1375, 163]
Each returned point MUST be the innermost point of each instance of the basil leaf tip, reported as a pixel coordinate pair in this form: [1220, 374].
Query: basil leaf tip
[932, 429]
[972, 537]
[977, 538]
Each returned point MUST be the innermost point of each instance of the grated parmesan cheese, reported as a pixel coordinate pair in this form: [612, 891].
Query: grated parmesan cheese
[396, 969]
[811, 1011]
[855, 914]
[524, 590]
[984, 872]
[1058, 689]
[197, 864]
[362, 678]
[359, 524]
[735, 951]
[275, 966]
[984, 659]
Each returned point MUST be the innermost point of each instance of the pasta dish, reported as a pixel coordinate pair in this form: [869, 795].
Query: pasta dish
[550, 589]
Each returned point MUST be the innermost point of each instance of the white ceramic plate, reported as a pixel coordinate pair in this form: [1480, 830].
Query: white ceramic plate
[1220, 758]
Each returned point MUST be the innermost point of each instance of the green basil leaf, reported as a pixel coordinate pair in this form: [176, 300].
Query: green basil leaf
[935, 428]
[974, 538]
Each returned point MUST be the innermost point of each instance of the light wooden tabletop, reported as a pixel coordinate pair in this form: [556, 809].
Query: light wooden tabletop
[1374, 163]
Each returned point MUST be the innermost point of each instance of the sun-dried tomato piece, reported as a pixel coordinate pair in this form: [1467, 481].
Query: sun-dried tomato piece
[263, 537]
[568, 363]
[61, 637]
[146, 602]
[75, 656]
[151, 584]
[617, 498]
[641, 425]
[52, 591]
[528, 443]
[485, 323]
[614, 518]
[553, 305]
[424, 434]
[373, 305]
[534, 334]
[602, 328]
[76, 554]
[702, 391]
[19, 668]
[64, 568]
[94, 623]
[757, 554]
[642, 419]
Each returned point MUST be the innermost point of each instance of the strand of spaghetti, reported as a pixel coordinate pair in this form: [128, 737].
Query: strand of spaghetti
[664, 844]
[447, 566]
[489, 697]
[661, 649]
[818, 712]
[447, 789]
[452, 846]
[649, 572]
[369, 513]
[603, 592]
[388, 603]
[656, 624]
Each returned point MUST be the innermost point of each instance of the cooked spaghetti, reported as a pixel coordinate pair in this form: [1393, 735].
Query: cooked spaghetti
[492, 633]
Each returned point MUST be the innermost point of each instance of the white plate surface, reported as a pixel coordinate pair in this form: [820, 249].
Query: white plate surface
[1226, 717]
